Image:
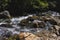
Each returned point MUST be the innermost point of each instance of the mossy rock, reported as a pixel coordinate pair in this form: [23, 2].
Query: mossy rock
[35, 17]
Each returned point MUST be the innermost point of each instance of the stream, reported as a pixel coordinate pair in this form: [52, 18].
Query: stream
[16, 29]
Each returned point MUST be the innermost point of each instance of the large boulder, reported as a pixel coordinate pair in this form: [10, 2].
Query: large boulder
[28, 36]
[43, 35]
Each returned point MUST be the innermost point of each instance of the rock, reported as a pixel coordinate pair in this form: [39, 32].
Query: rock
[44, 18]
[23, 22]
[5, 15]
[58, 38]
[6, 25]
[28, 36]
[43, 35]
[35, 17]
[21, 36]
[53, 22]
[7, 34]
[55, 29]
[52, 36]
[2, 38]
[32, 18]
[38, 24]
[50, 20]
[30, 21]
[47, 35]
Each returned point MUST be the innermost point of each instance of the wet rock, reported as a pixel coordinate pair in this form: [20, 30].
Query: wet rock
[49, 19]
[23, 22]
[6, 25]
[3, 38]
[32, 22]
[32, 18]
[7, 34]
[44, 18]
[52, 22]
[38, 24]
[5, 14]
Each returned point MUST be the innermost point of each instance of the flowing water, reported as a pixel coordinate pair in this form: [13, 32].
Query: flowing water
[16, 28]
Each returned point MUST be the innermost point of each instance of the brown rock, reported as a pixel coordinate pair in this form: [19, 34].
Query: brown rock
[57, 27]
[24, 22]
[44, 18]
[28, 36]
[32, 18]
[21, 36]
[38, 24]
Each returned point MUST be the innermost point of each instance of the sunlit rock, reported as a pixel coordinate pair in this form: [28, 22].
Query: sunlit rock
[28, 36]
[45, 18]
[43, 35]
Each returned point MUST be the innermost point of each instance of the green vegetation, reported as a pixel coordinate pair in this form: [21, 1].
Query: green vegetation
[4, 4]
[27, 4]
[40, 4]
